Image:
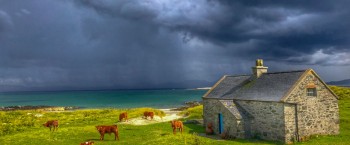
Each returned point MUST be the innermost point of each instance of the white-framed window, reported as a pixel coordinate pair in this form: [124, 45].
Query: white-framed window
[311, 92]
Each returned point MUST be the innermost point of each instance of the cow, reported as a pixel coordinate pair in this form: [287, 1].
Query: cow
[108, 129]
[52, 123]
[123, 116]
[147, 114]
[87, 143]
[209, 130]
[176, 124]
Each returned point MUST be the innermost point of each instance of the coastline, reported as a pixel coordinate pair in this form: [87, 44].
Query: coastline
[113, 99]
[169, 113]
[40, 108]
[47, 108]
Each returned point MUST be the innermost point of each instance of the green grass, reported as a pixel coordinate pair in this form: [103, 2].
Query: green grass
[23, 127]
[193, 113]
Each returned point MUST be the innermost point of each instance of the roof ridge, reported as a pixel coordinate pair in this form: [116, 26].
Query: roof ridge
[278, 72]
[292, 71]
[238, 75]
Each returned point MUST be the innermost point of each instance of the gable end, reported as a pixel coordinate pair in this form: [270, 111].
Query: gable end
[302, 77]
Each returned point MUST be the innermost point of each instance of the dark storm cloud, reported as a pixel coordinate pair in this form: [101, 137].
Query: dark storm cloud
[5, 22]
[107, 44]
[282, 28]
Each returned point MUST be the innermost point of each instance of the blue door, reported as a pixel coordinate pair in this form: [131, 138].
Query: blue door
[221, 124]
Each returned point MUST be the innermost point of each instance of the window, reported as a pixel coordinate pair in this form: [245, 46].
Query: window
[311, 92]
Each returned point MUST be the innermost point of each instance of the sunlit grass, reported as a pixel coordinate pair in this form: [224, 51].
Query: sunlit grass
[194, 113]
[25, 127]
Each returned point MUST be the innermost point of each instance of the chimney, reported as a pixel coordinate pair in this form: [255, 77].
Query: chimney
[259, 68]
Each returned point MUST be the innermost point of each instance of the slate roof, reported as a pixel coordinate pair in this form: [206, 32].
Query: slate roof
[231, 106]
[268, 87]
[236, 109]
[227, 86]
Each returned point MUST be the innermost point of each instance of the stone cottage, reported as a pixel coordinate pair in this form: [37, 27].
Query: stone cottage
[282, 106]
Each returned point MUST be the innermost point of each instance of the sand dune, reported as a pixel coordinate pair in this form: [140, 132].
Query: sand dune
[170, 115]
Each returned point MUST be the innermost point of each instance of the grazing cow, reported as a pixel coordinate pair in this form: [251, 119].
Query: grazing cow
[176, 124]
[87, 143]
[52, 123]
[209, 130]
[123, 116]
[147, 114]
[108, 129]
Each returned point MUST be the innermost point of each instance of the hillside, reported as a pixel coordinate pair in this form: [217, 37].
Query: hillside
[340, 83]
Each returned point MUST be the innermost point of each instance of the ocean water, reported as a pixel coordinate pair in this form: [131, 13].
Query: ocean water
[104, 99]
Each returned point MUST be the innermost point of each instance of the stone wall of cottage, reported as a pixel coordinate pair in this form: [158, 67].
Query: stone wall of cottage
[267, 119]
[290, 127]
[315, 114]
[211, 109]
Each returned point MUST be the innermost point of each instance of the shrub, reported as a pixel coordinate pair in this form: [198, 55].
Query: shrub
[341, 92]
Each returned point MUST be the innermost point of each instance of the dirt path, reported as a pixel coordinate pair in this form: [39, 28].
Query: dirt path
[170, 115]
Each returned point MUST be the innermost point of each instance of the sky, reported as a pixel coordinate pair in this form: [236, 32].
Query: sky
[143, 44]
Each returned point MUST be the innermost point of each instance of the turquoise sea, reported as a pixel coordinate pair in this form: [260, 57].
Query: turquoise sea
[103, 99]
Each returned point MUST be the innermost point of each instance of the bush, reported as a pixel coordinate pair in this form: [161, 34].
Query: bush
[14, 121]
[341, 92]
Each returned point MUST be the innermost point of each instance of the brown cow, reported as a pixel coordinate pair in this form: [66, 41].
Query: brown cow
[108, 129]
[176, 124]
[123, 116]
[52, 123]
[87, 143]
[147, 114]
[209, 130]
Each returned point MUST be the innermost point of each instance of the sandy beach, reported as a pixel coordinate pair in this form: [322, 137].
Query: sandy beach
[169, 116]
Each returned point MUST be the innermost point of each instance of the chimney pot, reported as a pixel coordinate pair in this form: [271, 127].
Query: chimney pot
[259, 68]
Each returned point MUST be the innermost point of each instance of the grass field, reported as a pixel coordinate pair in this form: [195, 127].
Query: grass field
[25, 128]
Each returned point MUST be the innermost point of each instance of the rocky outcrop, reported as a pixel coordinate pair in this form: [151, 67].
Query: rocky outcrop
[187, 105]
[39, 108]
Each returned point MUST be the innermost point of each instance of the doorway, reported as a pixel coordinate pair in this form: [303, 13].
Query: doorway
[221, 123]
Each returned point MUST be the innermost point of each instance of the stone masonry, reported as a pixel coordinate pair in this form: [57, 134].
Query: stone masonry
[305, 106]
[211, 110]
[267, 119]
[315, 114]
